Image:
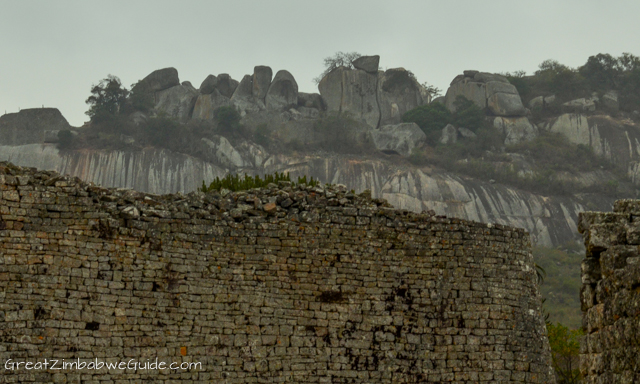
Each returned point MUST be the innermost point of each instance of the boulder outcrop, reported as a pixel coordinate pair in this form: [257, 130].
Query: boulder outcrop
[242, 97]
[398, 92]
[615, 140]
[579, 105]
[488, 91]
[206, 105]
[177, 102]
[367, 63]
[262, 76]
[226, 85]
[283, 92]
[376, 99]
[311, 100]
[400, 139]
[515, 129]
[158, 80]
[208, 85]
[31, 126]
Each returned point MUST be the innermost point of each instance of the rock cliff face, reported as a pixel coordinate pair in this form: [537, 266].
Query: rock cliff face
[616, 141]
[31, 126]
[488, 91]
[550, 220]
[375, 97]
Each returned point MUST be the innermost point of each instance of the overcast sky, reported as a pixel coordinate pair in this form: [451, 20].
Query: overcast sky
[53, 51]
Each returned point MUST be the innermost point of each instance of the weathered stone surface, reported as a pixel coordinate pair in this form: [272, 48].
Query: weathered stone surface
[467, 133]
[449, 135]
[579, 105]
[283, 91]
[207, 104]
[158, 80]
[208, 85]
[262, 76]
[487, 91]
[609, 296]
[472, 90]
[398, 92]
[226, 85]
[331, 87]
[400, 138]
[506, 104]
[243, 98]
[125, 274]
[308, 113]
[616, 140]
[515, 129]
[29, 125]
[311, 100]
[493, 87]
[485, 77]
[352, 91]
[536, 103]
[368, 64]
[224, 152]
[177, 102]
[376, 99]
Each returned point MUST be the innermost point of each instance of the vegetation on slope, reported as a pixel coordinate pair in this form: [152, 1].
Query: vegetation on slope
[601, 73]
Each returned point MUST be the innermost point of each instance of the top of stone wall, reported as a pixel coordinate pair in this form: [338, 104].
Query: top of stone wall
[301, 203]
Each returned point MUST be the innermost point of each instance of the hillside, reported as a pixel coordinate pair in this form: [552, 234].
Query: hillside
[524, 151]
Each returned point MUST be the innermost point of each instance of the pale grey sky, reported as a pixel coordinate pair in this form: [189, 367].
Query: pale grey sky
[53, 51]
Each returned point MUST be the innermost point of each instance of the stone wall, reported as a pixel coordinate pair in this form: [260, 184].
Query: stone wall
[610, 295]
[283, 284]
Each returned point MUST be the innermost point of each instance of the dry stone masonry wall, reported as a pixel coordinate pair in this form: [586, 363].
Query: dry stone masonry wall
[610, 295]
[283, 284]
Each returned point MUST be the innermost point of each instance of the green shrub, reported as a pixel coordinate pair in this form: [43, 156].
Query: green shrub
[565, 352]
[430, 117]
[140, 100]
[340, 134]
[65, 139]
[107, 98]
[262, 135]
[468, 114]
[161, 131]
[227, 118]
[237, 183]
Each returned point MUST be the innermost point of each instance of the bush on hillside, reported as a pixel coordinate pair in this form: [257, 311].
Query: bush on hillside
[340, 134]
[430, 117]
[161, 131]
[433, 117]
[467, 114]
[65, 139]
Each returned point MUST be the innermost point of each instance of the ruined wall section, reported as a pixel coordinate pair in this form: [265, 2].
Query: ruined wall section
[610, 295]
[283, 284]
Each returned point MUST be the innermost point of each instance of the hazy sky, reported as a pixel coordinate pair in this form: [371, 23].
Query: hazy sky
[53, 51]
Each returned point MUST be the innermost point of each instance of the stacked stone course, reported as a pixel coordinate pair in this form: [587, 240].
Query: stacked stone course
[610, 294]
[282, 284]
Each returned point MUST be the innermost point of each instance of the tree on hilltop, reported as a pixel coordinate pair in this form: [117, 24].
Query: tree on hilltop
[340, 59]
[107, 99]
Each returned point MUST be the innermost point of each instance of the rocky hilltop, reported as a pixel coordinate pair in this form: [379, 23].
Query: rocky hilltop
[352, 132]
